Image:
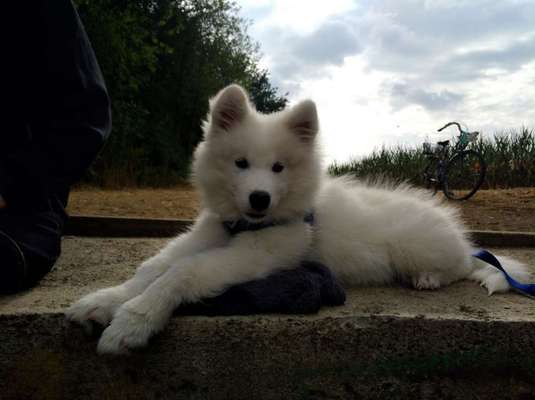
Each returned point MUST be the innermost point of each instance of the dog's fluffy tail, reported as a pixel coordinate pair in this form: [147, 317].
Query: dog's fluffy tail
[493, 279]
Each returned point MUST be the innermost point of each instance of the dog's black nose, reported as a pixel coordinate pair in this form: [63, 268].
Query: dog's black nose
[259, 200]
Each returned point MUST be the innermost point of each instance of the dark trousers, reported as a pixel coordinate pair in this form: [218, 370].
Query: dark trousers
[56, 116]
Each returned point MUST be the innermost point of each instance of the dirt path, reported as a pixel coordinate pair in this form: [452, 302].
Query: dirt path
[507, 210]
[511, 209]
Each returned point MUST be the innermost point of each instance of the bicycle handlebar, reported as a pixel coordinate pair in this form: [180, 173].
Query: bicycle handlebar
[458, 127]
[450, 124]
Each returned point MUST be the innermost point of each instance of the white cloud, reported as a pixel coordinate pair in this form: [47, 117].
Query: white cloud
[390, 71]
[302, 16]
[252, 4]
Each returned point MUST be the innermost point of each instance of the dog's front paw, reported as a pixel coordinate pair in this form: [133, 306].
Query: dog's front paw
[130, 328]
[98, 307]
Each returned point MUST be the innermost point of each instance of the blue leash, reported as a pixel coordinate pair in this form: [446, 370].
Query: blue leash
[524, 288]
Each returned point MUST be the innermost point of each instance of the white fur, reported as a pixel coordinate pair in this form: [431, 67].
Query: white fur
[368, 234]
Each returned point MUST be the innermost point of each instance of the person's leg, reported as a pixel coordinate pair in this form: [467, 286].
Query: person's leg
[57, 116]
[29, 247]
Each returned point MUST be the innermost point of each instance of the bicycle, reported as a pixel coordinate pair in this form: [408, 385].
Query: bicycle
[459, 174]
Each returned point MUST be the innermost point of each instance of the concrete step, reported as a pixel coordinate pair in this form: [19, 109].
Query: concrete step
[131, 227]
[385, 342]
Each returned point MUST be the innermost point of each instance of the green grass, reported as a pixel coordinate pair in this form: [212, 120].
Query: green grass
[510, 158]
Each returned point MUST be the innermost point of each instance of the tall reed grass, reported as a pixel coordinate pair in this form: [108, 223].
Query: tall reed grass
[510, 158]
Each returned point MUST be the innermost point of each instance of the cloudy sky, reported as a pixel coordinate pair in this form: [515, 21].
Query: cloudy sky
[393, 71]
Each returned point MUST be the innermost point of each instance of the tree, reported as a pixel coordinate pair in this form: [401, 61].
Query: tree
[263, 95]
[162, 61]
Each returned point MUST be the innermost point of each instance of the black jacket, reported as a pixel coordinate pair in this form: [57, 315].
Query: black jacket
[56, 107]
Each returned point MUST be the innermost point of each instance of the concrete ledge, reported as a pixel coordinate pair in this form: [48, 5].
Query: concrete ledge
[99, 226]
[127, 227]
[503, 239]
[393, 342]
[275, 358]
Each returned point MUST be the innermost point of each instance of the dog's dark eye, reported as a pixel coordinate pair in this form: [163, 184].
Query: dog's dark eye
[242, 163]
[277, 167]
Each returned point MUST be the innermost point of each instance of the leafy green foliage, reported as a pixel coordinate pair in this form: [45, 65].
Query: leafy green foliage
[264, 95]
[510, 158]
[162, 60]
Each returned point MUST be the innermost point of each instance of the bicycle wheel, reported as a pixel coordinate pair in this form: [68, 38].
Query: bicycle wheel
[465, 173]
[430, 179]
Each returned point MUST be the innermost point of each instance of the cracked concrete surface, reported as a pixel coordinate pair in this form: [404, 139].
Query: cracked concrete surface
[88, 264]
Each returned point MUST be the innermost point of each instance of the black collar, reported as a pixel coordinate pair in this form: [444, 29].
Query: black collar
[242, 225]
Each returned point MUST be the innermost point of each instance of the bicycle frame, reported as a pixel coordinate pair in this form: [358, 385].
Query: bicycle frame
[442, 158]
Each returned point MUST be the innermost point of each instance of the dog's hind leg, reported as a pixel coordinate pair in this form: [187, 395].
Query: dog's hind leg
[427, 281]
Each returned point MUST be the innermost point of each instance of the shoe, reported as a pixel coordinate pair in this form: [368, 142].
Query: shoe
[13, 269]
[29, 247]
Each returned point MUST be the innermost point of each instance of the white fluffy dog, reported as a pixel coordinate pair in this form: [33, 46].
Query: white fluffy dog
[265, 169]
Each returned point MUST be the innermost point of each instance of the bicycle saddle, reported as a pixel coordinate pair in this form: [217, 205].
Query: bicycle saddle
[443, 143]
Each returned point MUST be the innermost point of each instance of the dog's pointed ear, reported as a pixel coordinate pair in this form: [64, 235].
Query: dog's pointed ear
[303, 121]
[229, 107]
